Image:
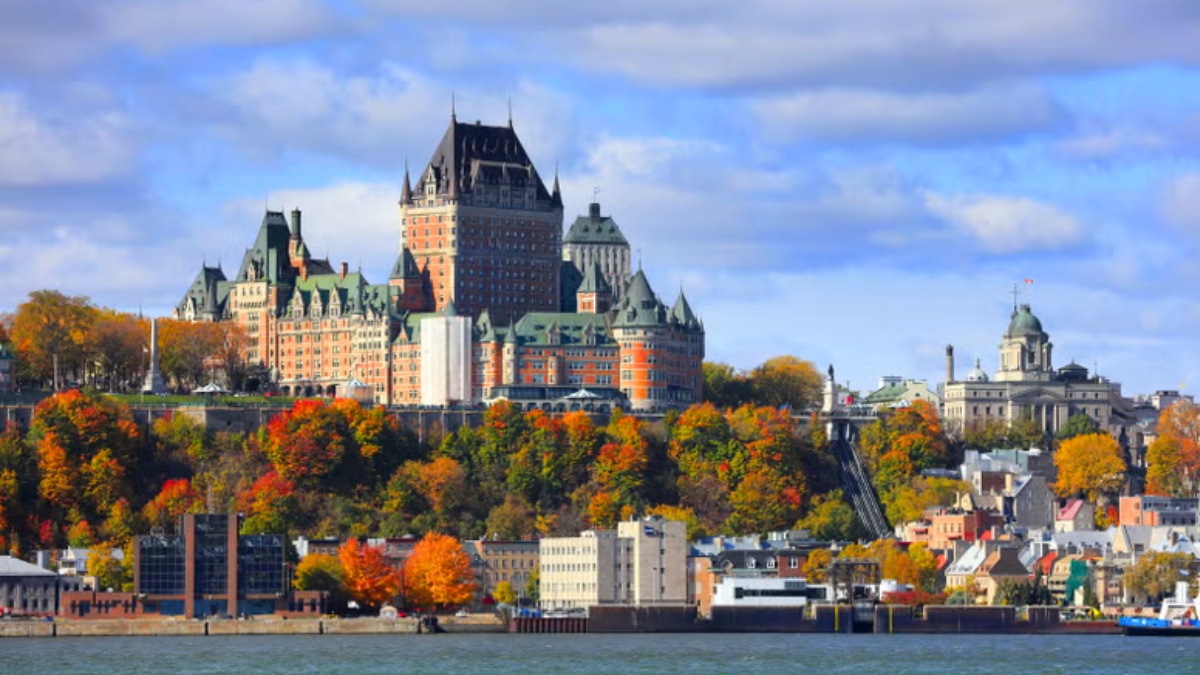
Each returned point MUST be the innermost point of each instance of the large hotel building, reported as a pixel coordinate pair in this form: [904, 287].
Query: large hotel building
[487, 300]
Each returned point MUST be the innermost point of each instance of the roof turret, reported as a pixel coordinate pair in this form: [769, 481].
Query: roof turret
[1024, 324]
[594, 281]
[406, 266]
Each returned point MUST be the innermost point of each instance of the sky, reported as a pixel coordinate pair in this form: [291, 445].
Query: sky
[858, 183]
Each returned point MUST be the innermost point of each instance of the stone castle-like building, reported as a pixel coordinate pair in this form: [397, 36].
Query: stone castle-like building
[487, 300]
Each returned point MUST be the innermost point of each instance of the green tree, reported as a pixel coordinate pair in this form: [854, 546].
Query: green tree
[1078, 424]
[725, 386]
[533, 587]
[511, 520]
[1155, 573]
[830, 518]
[319, 572]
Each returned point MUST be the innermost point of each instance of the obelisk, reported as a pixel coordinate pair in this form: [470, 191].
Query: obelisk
[154, 380]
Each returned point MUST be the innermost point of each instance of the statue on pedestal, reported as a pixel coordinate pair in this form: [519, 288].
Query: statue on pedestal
[154, 379]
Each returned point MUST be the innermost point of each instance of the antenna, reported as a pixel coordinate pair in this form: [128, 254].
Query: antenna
[1016, 293]
[453, 102]
[510, 111]
[595, 191]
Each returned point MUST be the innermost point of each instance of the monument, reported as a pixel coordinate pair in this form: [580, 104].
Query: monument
[154, 380]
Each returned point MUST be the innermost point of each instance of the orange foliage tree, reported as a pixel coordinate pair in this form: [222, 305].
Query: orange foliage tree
[176, 498]
[1092, 465]
[269, 505]
[438, 573]
[1173, 459]
[368, 577]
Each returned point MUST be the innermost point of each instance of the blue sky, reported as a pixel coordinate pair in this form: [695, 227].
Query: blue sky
[858, 182]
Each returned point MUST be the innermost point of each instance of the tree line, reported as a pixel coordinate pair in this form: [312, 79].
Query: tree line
[61, 340]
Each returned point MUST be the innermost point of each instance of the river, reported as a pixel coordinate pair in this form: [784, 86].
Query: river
[710, 654]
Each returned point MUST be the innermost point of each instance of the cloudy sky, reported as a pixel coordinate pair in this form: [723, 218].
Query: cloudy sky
[858, 182]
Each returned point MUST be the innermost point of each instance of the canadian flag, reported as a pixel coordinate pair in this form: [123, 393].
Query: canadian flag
[1029, 281]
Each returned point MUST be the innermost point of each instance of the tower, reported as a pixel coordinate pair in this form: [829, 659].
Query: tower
[1025, 351]
[595, 239]
[154, 379]
[594, 295]
[481, 221]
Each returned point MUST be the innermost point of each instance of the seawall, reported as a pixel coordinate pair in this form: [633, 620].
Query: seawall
[177, 628]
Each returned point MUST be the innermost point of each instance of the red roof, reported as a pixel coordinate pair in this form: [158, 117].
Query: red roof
[1071, 510]
[1046, 563]
[942, 560]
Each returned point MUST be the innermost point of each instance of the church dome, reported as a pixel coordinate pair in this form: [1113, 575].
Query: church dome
[1024, 324]
[976, 374]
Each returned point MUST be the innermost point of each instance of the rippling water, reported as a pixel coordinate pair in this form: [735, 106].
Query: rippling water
[526, 654]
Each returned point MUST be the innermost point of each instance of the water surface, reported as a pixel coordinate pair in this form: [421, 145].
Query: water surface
[710, 654]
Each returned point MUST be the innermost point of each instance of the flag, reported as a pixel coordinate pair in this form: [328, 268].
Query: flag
[1029, 281]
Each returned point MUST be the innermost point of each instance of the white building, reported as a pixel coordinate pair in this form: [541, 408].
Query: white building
[761, 592]
[445, 358]
[643, 562]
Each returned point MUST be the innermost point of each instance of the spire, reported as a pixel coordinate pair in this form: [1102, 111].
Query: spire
[406, 191]
[510, 125]
[511, 337]
[449, 309]
[453, 116]
[555, 195]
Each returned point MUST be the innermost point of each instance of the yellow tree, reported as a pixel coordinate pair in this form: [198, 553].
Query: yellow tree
[504, 593]
[438, 573]
[816, 566]
[786, 381]
[1173, 460]
[1090, 465]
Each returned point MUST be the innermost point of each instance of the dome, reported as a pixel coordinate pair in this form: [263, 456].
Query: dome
[976, 374]
[1024, 324]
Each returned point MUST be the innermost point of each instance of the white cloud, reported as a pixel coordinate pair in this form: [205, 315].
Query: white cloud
[1111, 143]
[281, 106]
[841, 115]
[1181, 203]
[38, 148]
[860, 43]
[1006, 225]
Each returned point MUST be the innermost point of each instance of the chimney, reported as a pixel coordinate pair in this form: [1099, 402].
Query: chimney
[296, 224]
[342, 274]
[594, 210]
[949, 363]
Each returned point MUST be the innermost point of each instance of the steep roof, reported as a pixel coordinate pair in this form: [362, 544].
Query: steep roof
[470, 156]
[594, 281]
[1004, 562]
[595, 229]
[640, 307]
[268, 256]
[682, 312]
[406, 266]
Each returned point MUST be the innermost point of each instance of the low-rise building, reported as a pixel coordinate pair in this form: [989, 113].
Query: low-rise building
[26, 589]
[737, 591]
[319, 546]
[642, 562]
[495, 562]
[1076, 516]
[1154, 510]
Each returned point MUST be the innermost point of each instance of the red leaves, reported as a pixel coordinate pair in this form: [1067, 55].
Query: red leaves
[368, 577]
[176, 498]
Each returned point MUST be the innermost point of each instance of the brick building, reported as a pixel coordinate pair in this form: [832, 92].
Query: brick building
[483, 302]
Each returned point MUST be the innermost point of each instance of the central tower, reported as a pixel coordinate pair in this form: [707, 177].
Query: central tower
[482, 226]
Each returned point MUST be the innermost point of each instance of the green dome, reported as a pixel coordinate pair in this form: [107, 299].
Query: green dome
[1024, 324]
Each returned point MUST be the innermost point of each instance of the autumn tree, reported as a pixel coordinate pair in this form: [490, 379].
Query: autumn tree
[1173, 459]
[438, 573]
[234, 344]
[270, 505]
[816, 566]
[320, 572]
[786, 381]
[504, 593]
[830, 518]
[176, 498]
[725, 386]
[109, 571]
[48, 332]
[185, 347]
[514, 519]
[1155, 573]
[1091, 465]
[368, 577]
[116, 342]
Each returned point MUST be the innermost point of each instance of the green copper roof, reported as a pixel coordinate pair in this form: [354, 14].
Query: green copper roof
[888, 394]
[640, 307]
[536, 328]
[682, 312]
[1024, 324]
[406, 266]
[594, 229]
[594, 281]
